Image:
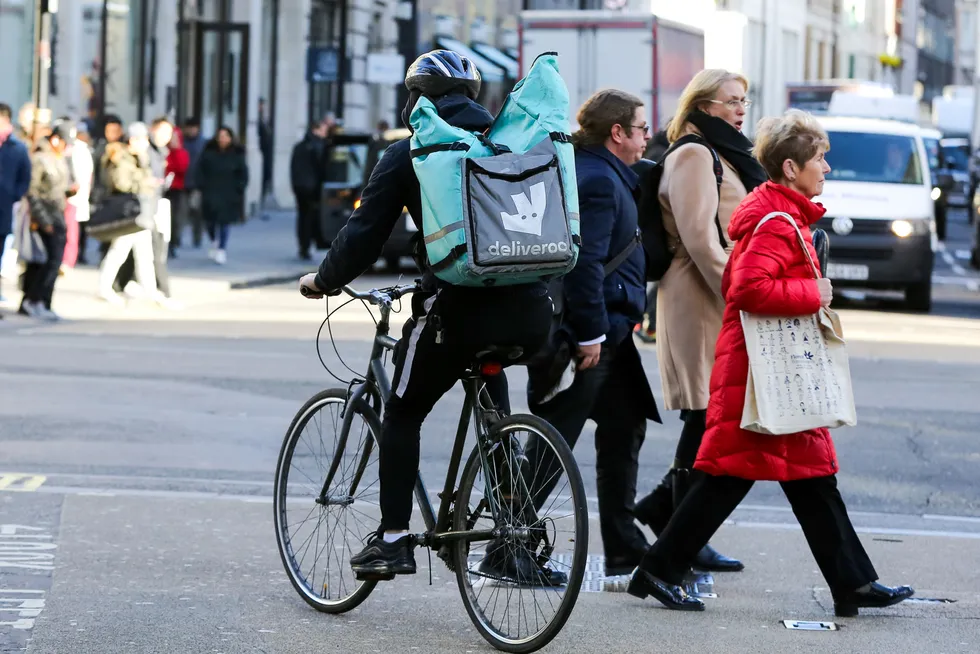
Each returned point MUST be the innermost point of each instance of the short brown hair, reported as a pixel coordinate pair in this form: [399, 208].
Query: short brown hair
[601, 112]
[796, 135]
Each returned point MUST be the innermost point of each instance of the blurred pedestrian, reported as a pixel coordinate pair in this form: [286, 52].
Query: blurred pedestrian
[161, 133]
[222, 177]
[47, 198]
[126, 167]
[306, 175]
[178, 162]
[83, 170]
[194, 143]
[15, 175]
[698, 193]
[70, 255]
[769, 274]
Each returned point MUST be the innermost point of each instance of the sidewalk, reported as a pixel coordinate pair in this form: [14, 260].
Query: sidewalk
[261, 252]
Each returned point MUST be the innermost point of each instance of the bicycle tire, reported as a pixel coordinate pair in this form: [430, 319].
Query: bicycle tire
[576, 574]
[302, 417]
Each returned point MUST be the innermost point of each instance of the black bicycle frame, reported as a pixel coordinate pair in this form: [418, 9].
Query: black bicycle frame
[376, 387]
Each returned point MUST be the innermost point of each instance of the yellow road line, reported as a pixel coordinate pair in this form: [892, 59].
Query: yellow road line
[18, 482]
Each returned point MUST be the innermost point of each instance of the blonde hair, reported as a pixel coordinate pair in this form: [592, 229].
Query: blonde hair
[702, 88]
[601, 112]
[796, 135]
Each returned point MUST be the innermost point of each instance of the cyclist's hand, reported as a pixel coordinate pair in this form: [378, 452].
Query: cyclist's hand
[308, 287]
[588, 356]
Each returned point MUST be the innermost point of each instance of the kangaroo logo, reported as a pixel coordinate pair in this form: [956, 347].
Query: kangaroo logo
[530, 211]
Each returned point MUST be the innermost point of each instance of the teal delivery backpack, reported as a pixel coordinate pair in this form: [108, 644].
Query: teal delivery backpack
[501, 208]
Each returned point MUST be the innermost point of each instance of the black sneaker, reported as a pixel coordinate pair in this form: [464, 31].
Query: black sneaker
[382, 560]
[513, 562]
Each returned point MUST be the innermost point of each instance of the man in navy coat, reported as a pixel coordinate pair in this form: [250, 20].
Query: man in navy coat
[600, 312]
[15, 174]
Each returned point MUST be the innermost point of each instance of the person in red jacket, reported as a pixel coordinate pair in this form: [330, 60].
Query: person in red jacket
[178, 160]
[768, 274]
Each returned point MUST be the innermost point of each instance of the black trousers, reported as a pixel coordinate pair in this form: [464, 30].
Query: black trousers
[307, 220]
[425, 370]
[605, 394]
[816, 503]
[40, 278]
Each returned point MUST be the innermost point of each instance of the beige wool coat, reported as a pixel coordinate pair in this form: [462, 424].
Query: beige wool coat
[689, 300]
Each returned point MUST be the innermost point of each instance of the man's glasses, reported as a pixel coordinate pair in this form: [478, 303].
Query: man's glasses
[733, 104]
[644, 127]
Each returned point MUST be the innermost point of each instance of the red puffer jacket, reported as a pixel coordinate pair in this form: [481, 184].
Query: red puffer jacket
[767, 274]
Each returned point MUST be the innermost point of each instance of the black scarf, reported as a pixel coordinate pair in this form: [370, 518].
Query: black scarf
[732, 145]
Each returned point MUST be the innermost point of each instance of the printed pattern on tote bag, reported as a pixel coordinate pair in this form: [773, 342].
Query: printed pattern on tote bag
[799, 374]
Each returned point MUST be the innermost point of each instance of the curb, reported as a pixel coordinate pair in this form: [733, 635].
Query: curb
[268, 280]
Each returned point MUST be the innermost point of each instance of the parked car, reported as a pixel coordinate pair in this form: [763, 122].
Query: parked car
[352, 162]
[942, 178]
[956, 156]
[879, 199]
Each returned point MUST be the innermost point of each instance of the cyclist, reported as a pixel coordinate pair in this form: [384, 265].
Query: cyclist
[449, 325]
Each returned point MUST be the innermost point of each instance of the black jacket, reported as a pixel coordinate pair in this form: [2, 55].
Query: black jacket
[307, 164]
[392, 187]
[597, 305]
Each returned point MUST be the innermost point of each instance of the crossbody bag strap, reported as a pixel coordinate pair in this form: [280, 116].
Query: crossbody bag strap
[618, 260]
[799, 236]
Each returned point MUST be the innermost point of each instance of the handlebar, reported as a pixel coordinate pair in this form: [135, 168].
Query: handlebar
[376, 296]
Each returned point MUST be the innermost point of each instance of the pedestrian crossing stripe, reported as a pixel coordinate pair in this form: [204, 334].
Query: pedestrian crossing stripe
[19, 482]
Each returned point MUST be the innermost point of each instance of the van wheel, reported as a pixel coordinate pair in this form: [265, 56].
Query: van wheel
[918, 297]
[393, 264]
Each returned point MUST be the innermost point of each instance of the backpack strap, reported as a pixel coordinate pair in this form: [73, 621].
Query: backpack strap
[618, 260]
[718, 169]
[439, 147]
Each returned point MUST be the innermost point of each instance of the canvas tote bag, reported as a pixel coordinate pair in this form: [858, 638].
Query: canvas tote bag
[799, 373]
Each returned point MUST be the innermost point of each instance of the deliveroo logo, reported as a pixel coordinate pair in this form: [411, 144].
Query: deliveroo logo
[530, 214]
[530, 211]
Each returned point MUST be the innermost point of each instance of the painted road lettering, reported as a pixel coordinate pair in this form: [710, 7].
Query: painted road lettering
[24, 548]
[20, 482]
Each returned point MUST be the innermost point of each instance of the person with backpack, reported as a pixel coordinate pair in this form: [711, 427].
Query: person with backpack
[604, 299]
[450, 323]
[706, 172]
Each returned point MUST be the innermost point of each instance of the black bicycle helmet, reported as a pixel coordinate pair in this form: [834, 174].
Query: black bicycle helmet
[443, 71]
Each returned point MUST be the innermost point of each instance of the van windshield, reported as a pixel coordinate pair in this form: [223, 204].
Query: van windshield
[877, 158]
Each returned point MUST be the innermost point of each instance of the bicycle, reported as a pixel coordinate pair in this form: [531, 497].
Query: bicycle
[494, 506]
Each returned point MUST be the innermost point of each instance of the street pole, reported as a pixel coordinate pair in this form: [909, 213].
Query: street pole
[46, 10]
[408, 44]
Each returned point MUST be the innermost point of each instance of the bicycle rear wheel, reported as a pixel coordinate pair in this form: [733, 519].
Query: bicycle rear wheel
[543, 517]
[318, 535]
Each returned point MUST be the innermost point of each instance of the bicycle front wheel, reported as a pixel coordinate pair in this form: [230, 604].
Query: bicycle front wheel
[520, 588]
[318, 532]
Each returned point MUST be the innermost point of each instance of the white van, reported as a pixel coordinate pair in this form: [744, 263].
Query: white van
[880, 207]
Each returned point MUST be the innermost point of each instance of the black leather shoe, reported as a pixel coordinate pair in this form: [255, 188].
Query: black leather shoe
[709, 559]
[381, 560]
[643, 584]
[877, 596]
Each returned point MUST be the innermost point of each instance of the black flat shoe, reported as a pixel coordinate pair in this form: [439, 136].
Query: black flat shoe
[877, 596]
[709, 559]
[643, 584]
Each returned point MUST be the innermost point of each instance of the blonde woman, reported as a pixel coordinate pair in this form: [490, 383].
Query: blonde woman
[707, 144]
[768, 274]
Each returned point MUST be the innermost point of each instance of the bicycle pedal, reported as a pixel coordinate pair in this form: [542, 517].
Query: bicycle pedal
[368, 575]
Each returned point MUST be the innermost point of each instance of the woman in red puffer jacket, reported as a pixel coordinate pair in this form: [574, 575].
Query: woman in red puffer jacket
[768, 274]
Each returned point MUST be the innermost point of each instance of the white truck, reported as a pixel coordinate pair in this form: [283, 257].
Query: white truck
[642, 54]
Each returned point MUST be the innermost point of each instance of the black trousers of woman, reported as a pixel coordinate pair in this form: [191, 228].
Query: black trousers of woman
[816, 503]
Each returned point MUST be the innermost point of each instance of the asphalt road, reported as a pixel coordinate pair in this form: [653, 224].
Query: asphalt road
[136, 463]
